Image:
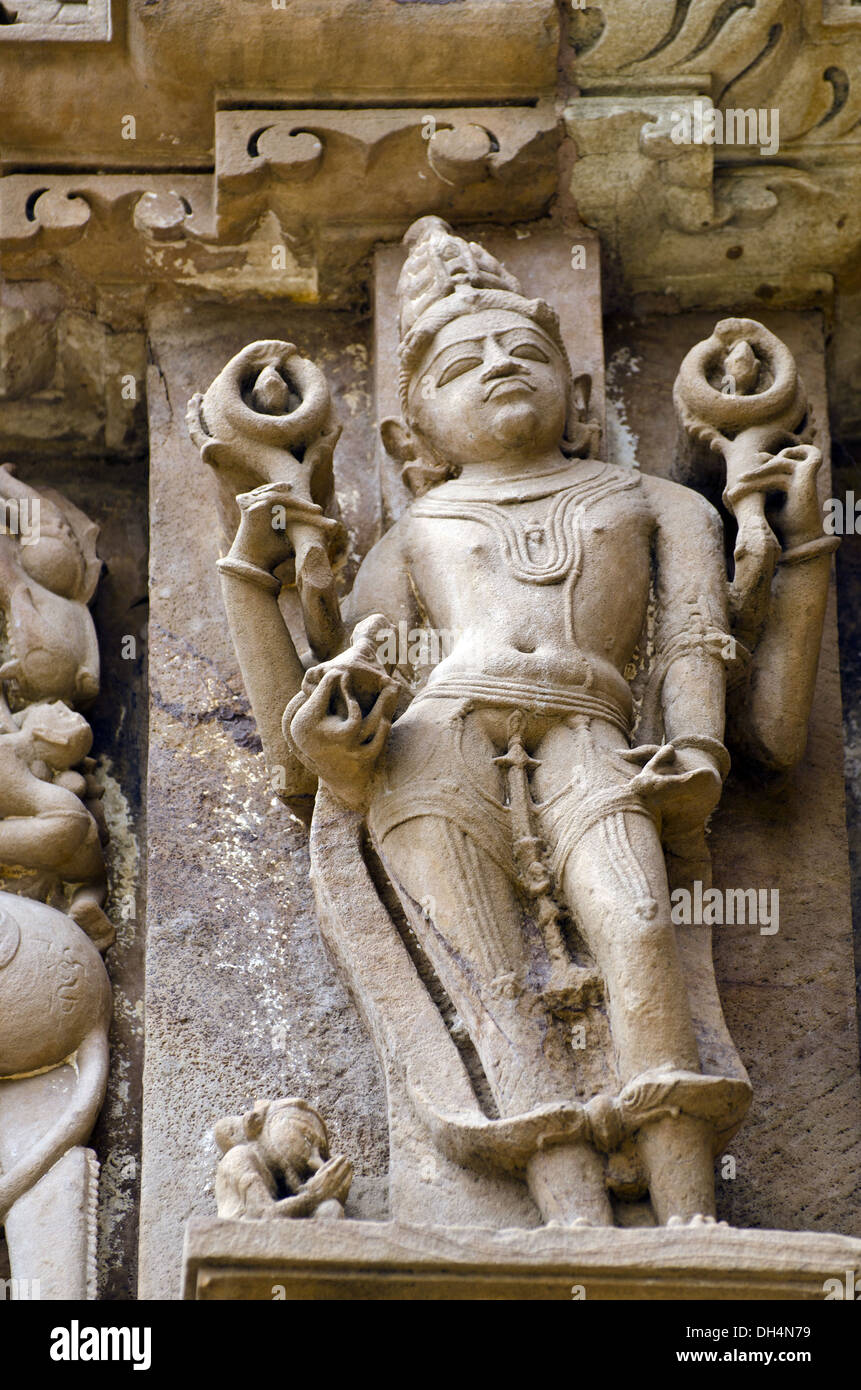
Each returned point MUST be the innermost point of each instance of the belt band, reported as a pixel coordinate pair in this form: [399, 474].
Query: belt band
[528, 695]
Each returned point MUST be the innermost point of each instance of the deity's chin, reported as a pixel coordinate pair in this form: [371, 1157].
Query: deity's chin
[516, 425]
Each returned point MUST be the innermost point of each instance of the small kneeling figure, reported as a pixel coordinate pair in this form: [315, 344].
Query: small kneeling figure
[276, 1163]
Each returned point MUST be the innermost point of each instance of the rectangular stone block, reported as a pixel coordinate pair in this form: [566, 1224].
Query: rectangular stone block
[351, 1260]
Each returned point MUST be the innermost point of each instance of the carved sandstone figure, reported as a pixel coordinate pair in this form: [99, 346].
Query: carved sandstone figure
[48, 575]
[54, 1014]
[527, 796]
[276, 1164]
[47, 826]
[55, 998]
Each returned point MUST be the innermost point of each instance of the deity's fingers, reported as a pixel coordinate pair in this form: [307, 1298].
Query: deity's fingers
[320, 676]
[640, 754]
[386, 704]
[354, 710]
[264, 495]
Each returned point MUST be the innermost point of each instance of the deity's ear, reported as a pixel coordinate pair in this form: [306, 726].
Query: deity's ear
[254, 1120]
[397, 440]
[420, 469]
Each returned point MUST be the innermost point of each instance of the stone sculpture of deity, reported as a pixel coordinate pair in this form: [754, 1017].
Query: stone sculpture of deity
[523, 804]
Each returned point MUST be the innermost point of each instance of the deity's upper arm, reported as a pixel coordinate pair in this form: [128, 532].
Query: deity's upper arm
[688, 674]
[689, 549]
[383, 583]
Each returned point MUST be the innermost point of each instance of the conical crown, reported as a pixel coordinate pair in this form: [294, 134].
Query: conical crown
[440, 264]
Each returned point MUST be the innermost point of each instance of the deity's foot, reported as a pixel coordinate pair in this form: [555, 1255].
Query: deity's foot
[567, 1185]
[92, 920]
[678, 1157]
[576, 1224]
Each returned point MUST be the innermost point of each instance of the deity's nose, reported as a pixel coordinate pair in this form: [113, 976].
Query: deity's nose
[498, 363]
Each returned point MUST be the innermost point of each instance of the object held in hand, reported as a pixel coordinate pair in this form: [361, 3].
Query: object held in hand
[740, 400]
[267, 420]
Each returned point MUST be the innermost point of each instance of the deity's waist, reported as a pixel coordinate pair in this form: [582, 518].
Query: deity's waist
[531, 696]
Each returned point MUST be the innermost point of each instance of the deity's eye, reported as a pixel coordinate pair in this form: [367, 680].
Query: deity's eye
[531, 351]
[457, 368]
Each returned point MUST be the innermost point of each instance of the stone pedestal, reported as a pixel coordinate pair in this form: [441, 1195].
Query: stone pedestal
[369, 1260]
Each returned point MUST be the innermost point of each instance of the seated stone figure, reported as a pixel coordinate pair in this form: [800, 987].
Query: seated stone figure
[276, 1164]
[47, 579]
[50, 840]
[503, 790]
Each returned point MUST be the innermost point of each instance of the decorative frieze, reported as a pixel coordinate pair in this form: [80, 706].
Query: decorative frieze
[696, 128]
[245, 228]
[55, 995]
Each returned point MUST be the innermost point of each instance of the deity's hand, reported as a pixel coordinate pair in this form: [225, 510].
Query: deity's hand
[261, 539]
[341, 718]
[792, 473]
[683, 786]
[331, 1182]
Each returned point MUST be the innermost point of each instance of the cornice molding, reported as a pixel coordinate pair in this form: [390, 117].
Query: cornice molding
[699, 221]
[364, 176]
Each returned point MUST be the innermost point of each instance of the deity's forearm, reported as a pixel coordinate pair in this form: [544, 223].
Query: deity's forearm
[271, 669]
[758, 423]
[273, 468]
[771, 725]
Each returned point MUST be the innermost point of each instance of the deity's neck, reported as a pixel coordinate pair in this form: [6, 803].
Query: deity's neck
[508, 482]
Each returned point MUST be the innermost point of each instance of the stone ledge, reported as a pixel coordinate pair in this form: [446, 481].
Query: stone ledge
[53, 21]
[365, 1260]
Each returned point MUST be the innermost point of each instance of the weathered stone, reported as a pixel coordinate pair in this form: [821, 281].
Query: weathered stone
[291, 1029]
[644, 1111]
[363, 1260]
[226, 175]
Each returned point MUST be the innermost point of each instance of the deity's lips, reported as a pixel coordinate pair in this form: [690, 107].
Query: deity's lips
[520, 382]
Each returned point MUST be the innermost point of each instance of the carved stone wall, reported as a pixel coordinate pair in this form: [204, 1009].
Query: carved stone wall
[238, 185]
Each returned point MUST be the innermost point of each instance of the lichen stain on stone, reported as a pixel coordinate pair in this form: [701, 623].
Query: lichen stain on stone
[118, 1181]
[123, 854]
[622, 443]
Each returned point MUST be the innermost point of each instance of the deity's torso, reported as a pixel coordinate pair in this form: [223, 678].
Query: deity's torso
[544, 578]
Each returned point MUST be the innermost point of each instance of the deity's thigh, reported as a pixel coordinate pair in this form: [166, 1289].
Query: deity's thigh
[442, 833]
[607, 858]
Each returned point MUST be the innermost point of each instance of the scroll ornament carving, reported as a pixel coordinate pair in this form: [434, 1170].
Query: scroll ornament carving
[55, 997]
[777, 69]
[494, 162]
[529, 799]
[799, 57]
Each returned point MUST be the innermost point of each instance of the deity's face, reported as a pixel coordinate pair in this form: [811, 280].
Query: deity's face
[490, 384]
[292, 1138]
[61, 737]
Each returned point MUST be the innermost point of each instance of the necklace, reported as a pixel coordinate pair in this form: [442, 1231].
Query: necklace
[536, 552]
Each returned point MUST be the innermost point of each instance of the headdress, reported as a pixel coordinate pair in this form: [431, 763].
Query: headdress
[445, 277]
